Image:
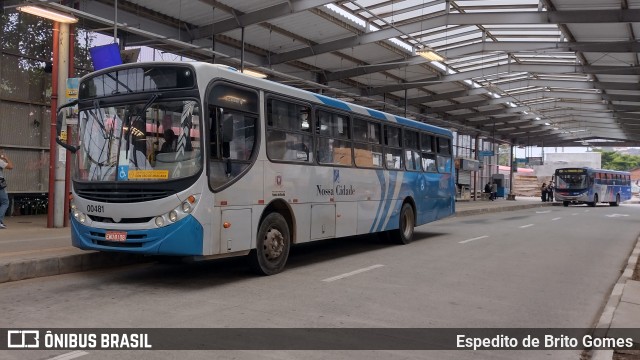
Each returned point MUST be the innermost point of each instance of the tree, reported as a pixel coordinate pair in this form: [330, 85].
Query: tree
[615, 161]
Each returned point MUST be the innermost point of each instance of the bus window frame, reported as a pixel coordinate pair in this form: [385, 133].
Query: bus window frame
[268, 96]
[380, 126]
[317, 135]
[207, 130]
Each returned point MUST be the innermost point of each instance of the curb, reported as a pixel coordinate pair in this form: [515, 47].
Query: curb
[501, 209]
[606, 318]
[65, 264]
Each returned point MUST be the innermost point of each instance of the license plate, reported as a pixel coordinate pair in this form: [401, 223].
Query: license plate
[115, 236]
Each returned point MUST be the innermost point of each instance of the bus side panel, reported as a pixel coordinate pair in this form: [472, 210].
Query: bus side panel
[346, 218]
[244, 194]
[430, 202]
[625, 193]
[298, 185]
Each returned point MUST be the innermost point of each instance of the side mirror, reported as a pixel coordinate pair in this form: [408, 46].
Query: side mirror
[60, 123]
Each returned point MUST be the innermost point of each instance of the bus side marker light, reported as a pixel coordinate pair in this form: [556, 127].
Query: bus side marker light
[223, 202]
[226, 225]
[191, 199]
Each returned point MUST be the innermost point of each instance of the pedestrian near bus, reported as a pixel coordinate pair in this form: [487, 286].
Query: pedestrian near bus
[494, 190]
[550, 192]
[5, 164]
[543, 192]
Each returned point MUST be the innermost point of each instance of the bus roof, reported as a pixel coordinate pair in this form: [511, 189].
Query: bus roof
[204, 69]
[589, 169]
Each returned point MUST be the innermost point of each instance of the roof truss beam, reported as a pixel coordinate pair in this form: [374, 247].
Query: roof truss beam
[485, 18]
[241, 20]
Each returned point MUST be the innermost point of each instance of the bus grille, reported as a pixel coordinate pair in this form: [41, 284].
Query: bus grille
[122, 221]
[123, 195]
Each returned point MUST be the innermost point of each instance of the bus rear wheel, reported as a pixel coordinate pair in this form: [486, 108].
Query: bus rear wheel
[272, 245]
[565, 203]
[404, 234]
[617, 202]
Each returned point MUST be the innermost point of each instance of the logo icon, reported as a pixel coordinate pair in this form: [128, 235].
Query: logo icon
[336, 176]
[279, 180]
[23, 339]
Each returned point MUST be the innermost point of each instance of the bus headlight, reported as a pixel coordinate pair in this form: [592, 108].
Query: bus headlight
[173, 216]
[80, 217]
[178, 213]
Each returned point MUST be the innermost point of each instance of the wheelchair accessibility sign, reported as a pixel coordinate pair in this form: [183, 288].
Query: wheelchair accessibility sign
[123, 172]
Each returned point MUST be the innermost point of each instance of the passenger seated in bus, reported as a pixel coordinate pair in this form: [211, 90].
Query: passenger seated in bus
[169, 141]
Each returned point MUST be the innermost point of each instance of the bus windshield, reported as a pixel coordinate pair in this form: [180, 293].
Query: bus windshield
[143, 141]
[571, 181]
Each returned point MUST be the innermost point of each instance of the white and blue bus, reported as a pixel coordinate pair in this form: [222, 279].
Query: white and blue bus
[195, 159]
[592, 186]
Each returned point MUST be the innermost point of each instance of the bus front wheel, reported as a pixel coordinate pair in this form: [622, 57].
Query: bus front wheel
[595, 201]
[272, 245]
[404, 234]
[565, 203]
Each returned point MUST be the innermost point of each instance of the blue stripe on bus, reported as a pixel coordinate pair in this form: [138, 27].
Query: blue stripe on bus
[184, 237]
[380, 174]
[393, 177]
[333, 102]
[423, 126]
[377, 114]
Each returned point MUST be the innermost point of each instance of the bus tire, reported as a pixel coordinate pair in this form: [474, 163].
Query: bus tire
[272, 245]
[404, 234]
[617, 202]
[595, 201]
[565, 203]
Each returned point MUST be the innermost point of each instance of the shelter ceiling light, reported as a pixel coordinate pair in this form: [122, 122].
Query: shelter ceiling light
[429, 54]
[254, 73]
[49, 14]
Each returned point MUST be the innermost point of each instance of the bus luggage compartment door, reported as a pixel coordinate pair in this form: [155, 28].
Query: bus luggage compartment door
[237, 235]
[323, 221]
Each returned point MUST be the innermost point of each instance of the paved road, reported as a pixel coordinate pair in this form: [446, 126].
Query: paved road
[537, 268]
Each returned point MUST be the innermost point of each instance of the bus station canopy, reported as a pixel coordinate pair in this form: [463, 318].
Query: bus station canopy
[525, 72]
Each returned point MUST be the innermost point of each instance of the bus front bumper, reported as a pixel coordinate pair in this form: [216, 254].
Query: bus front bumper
[183, 238]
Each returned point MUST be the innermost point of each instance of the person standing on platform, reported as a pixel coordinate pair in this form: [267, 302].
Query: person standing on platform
[550, 192]
[494, 190]
[543, 192]
[5, 164]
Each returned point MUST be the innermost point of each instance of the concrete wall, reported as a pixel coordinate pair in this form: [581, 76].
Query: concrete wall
[553, 161]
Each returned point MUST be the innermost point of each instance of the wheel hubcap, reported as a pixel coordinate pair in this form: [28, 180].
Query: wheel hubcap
[407, 225]
[273, 244]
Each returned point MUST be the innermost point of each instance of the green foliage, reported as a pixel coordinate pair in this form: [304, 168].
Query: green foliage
[32, 37]
[504, 154]
[615, 161]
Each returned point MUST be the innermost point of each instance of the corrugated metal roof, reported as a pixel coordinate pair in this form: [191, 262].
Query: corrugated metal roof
[544, 59]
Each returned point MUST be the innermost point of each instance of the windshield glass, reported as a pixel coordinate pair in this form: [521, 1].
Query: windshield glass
[573, 181]
[145, 141]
